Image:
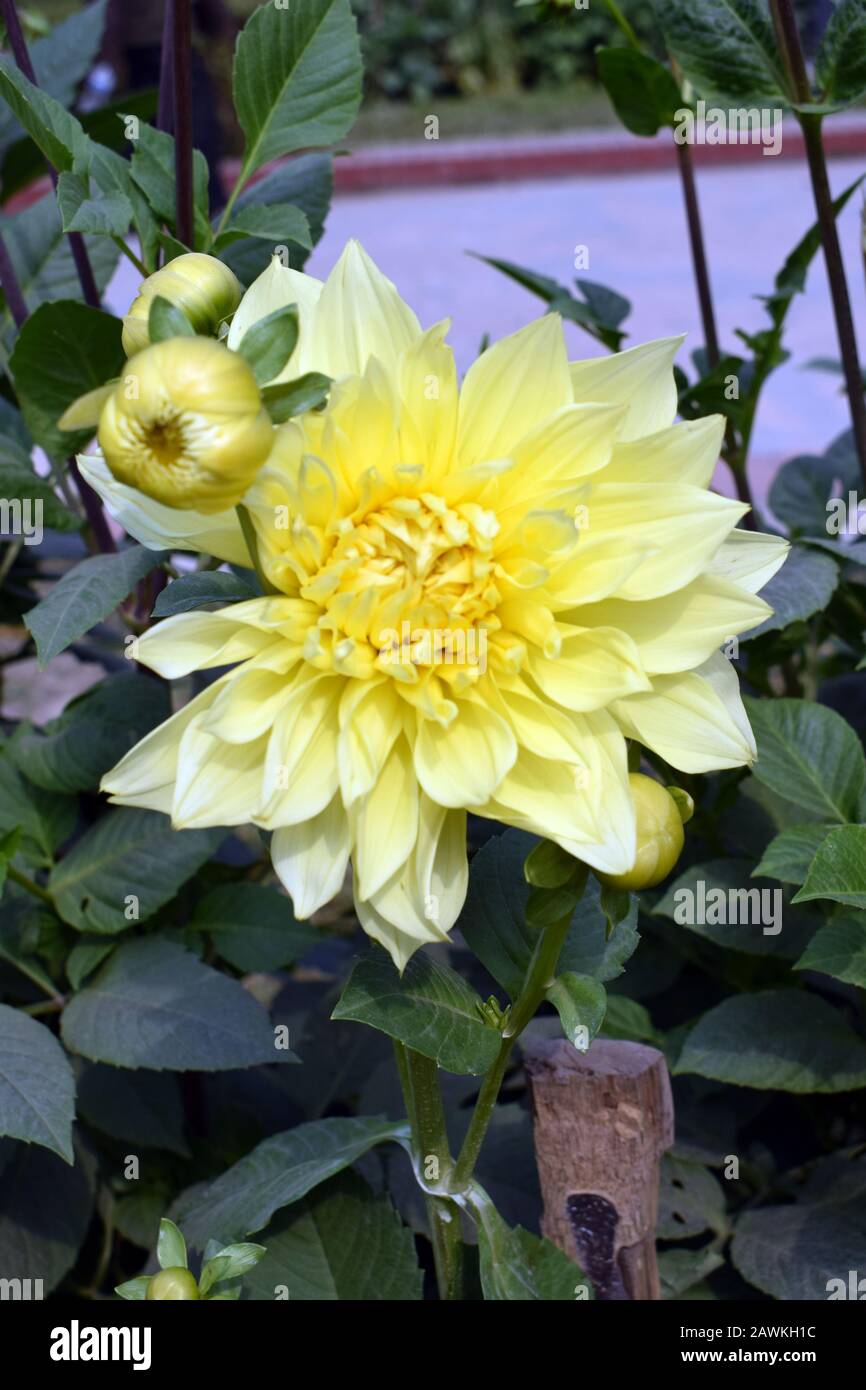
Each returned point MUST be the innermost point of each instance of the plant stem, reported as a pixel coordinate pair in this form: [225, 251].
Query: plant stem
[539, 976]
[165, 107]
[620, 19]
[130, 255]
[420, 1085]
[182, 87]
[810, 123]
[30, 884]
[21, 54]
[699, 253]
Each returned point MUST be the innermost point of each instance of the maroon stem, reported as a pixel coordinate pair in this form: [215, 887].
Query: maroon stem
[182, 28]
[165, 109]
[21, 54]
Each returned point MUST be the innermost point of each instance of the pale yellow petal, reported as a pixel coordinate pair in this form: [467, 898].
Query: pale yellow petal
[359, 315]
[594, 666]
[385, 823]
[695, 721]
[640, 378]
[311, 858]
[216, 783]
[749, 559]
[510, 389]
[277, 287]
[683, 453]
[461, 765]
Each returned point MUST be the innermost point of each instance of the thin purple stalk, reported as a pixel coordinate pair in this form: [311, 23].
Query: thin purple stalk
[165, 109]
[182, 27]
[21, 54]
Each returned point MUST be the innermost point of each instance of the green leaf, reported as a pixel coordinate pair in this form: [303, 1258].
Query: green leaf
[125, 867]
[341, 1243]
[139, 1107]
[155, 1006]
[60, 60]
[37, 1089]
[86, 595]
[808, 755]
[726, 48]
[806, 1250]
[193, 591]
[93, 732]
[171, 1246]
[46, 820]
[681, 1270]
[838, 870]
[297, 79]
[17, 480]
[152, 171]
[279, 1171]
[494, 927]
[305, 182]
[84, 958]
[45, 1210]
[802, 487]
[626, 1018]
[134, 1290]
[253, 927]
[43, 263]
[840, 66]
[429, 1008]
[64, 350]
[600, 312]
[166, 320]
[788, 857]
[785, 1040]
[720, 901]
[231, 1262]
[803, 586]
[838, 949]
[549, 866]
[276, 223]
[289, 398]
[691, 1200]
[57, 133]
[268, 344]
[580, 1002]
[644, 92]
[518, 1266]
[109, 214]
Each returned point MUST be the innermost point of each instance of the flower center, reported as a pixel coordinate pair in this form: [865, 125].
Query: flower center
[414, 580]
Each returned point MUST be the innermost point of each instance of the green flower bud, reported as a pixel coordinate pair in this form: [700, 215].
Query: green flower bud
[205, 289]
[660, 836]
[173, 1283]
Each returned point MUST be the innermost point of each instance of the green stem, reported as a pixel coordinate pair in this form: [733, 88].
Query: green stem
[131, 256]
[249, 530]
[623, 23]
[420, 1085]
[32, 887]
[539, 977]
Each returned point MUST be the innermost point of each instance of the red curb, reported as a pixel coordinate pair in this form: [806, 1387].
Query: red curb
[399, 167]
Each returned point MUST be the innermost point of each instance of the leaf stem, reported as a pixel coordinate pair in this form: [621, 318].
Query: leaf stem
[130, 255]
[620, 19]
[539, 976]
[29, 884]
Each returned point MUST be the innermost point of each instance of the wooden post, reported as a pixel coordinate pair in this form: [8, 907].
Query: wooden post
[602, 1121]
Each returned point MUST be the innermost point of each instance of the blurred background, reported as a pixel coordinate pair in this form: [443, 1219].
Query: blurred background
[528, 164]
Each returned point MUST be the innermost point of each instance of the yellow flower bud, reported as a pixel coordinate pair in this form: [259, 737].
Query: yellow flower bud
[173, 1283]
[186, 425]
[660, 836]
[205, 289]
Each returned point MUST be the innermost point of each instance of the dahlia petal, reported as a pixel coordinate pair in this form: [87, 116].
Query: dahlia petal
[300, 775]
[197, 641]
[370, 720]
[359, 315]
[594, 666]
[510, 389]
[597, 569]
[683, 453]
[749, 558]
[695, 721]
[385, 823]
[572, 443]
[429, 396]
[165, 528]
[640, 378]
[216, 783]
[311, 858]
[683, 629]
[461, 765]
[145, 775]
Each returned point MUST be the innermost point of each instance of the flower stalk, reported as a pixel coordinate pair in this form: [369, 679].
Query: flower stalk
[810, 123]
[182, 113]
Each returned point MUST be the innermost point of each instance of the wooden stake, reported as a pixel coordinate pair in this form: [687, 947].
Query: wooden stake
[602, 1121]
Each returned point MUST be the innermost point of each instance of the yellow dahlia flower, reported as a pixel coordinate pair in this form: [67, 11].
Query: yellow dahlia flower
[482, 592]
[205, 289]
[186, 425]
